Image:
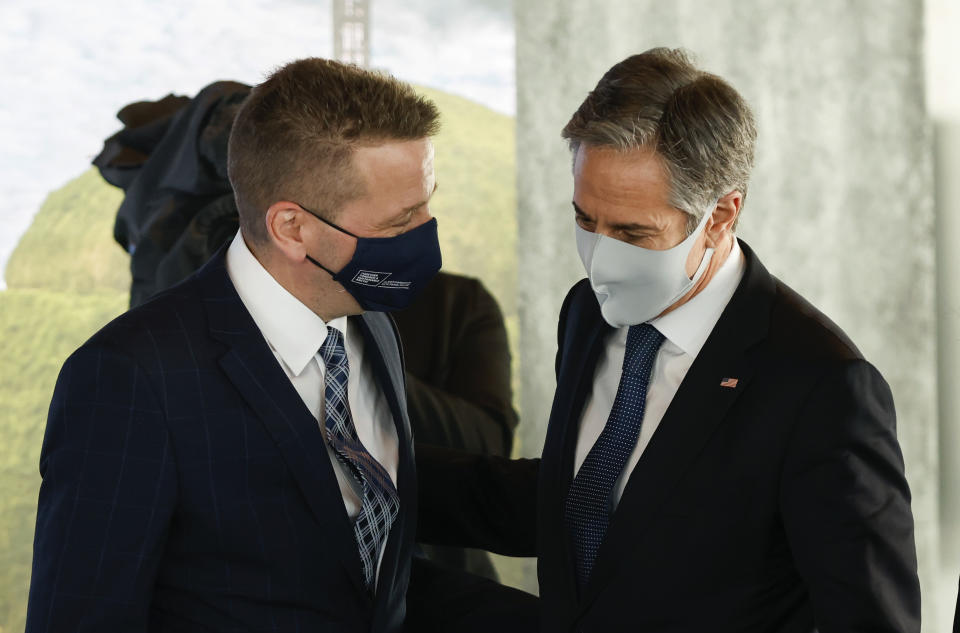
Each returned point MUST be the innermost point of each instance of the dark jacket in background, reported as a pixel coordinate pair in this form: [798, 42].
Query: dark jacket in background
[178, 207]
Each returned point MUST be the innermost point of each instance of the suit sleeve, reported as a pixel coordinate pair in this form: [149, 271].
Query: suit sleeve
[445, 600]
[477, 501]
[846, 506]
[106, 499]
[472, 408]
[444, 419]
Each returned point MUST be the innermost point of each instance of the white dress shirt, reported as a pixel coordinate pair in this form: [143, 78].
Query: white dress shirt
[295, 334]
[685, 329]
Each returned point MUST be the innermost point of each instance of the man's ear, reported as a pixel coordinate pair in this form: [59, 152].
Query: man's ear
[285, 229]
[724, 217]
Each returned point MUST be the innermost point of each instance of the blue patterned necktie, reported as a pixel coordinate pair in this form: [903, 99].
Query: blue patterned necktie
[587, 508]
[380, 502]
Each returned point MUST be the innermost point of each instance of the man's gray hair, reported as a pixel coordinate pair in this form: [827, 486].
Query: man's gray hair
[695, 122]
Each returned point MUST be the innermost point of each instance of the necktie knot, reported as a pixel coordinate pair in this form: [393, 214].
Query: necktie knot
[643, 343]
[333, 351]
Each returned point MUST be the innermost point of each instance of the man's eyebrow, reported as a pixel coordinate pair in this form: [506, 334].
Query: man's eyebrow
[420, 204]
[398, 218]
[629, 227]
[625, 226]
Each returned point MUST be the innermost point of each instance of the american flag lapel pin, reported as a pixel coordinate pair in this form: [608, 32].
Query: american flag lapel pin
[729, 383]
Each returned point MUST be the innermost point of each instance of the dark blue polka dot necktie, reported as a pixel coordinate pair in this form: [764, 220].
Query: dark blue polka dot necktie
[587, 507]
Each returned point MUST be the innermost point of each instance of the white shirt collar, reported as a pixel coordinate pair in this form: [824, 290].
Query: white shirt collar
[292, 330]
[689, 326]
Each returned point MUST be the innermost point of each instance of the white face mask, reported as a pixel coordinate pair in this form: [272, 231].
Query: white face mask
[635, 284]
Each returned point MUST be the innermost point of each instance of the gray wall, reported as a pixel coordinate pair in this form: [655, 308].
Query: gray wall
[947, 154]
[840, 204]
[942, 50]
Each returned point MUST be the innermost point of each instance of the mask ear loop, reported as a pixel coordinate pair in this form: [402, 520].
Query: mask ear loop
[332, 225]
[326, 221]
[707, 253]
[707, 257]
[318, 264]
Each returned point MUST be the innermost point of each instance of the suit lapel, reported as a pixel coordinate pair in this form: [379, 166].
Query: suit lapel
[380, 343]
[580, 372]
[253, 369]
[584, 336]
[697, 409]
[382, 350]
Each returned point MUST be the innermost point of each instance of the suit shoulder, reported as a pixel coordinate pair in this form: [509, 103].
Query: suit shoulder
[453, 280]
[578, 293]
[456, 288]
[800, 330]
[579, 302]
[179, 307]
[459, 300]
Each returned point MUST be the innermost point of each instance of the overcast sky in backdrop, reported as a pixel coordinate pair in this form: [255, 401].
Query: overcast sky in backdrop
[66, 67]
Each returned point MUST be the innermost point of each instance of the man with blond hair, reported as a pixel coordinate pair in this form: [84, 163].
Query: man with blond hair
[235, 454]
[720, 456]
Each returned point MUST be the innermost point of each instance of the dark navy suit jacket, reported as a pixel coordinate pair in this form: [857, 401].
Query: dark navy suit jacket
[777, 505]
[186, 487]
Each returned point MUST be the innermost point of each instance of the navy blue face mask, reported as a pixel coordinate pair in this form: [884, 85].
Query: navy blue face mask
[387, 273]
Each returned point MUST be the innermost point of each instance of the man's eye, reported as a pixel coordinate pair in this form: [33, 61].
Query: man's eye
[634, 238]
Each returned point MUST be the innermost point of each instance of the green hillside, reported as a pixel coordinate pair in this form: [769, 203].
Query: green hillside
[39, 330]
[67, 278]
[69, 247]
[476, 201]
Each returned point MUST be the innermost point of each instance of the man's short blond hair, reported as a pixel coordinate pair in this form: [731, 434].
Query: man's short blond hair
[294, 136]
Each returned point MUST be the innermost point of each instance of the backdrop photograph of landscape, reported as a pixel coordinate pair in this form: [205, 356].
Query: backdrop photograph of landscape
[64, 276]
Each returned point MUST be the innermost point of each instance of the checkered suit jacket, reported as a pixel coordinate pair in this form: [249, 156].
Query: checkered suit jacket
[186, 487]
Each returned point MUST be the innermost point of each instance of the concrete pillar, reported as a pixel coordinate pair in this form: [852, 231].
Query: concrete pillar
[840, 204]
[947, 161]
[943, 102]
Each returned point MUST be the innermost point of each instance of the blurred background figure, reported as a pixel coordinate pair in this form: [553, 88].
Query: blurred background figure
[178, 210]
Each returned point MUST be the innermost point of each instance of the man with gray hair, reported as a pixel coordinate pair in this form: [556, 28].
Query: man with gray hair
[719, 456]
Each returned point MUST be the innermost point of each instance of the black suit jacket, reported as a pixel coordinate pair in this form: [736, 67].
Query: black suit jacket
[186, 486]
[777, 505]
